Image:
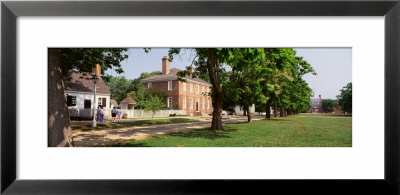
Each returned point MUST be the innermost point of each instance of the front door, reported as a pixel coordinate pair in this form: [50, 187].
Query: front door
[197, 106]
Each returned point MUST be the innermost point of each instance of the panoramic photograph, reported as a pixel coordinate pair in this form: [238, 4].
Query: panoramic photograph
[200, 97]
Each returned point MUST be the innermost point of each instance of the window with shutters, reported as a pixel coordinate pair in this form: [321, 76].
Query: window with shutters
[102, 102]
[71, 100]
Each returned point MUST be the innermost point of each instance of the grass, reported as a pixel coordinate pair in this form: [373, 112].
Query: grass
[117, 125]
[303, 130]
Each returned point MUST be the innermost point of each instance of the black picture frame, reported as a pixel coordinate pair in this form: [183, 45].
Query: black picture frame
[10, 10]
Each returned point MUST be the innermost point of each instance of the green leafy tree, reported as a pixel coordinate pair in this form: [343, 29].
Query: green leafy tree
[119, 87]
[283, 86]
[152, 103]
[243, 84]
[345, 99]
[143, 94]
[214, 63]
[61, 62]
[328, 105]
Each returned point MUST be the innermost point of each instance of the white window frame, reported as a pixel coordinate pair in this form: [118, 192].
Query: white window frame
[191, 104]
[170, 104]
[184, 86]
[202, 89]
[184, 103]
[197, 88]
[208, 104]
[149, 85]
[203, 104]
[169, 85]
[191, 87]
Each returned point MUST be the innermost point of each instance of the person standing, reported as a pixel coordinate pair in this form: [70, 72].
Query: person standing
[98, 113]
[119, 113]
[113, 114]
[101, 114]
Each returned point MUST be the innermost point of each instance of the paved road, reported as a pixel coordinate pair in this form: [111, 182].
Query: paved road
[112, 136]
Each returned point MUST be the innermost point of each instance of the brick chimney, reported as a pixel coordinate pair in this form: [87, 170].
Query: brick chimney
[320, 96]
[97, 70]
[191, 69]
[165, 65]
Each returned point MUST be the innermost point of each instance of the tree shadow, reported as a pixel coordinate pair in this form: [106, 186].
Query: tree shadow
[128, 144]
[206, 133]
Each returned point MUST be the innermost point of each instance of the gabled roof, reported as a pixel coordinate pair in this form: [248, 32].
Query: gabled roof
[128, 100]
[114, 103]
[171, 76]
[81, 83]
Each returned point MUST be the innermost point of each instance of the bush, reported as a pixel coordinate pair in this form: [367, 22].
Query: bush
[328, 105]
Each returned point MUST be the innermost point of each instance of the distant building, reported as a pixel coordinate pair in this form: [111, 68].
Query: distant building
[189, 96]
[114, 103]
[316, 105]
[128, 104]
[239, 109]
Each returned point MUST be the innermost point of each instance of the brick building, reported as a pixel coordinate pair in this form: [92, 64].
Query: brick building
[190, 96]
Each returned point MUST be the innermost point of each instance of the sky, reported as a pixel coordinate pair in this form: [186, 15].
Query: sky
[333, 66]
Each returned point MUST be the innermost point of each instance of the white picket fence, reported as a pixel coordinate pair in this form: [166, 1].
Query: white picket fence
[143, 113]
[86, 113]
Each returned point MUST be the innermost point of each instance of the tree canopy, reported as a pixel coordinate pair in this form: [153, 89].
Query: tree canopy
[270, 76]
[345, 99]
[121, 86]
[328, 105]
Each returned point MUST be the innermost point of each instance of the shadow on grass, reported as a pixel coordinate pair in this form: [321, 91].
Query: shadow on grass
[128, 144]
[206, 133]
[275, 120]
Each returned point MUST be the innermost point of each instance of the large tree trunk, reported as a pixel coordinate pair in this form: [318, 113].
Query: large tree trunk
[281, 111]
[275, 110]
[268, 110]
[248, 113]
[216, 123]
[213, 72]
[59, 127]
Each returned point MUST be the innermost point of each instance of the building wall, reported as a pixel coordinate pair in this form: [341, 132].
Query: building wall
[194, 95]
[239, 111]
[81, 97]
[178, 94]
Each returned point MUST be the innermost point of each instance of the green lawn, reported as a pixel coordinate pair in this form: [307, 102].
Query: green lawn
[148, 122]
[303, 130]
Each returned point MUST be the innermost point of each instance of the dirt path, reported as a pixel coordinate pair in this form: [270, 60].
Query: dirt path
[113, 136]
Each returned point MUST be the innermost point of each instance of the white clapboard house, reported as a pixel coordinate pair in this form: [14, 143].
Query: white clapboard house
[79, 94]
